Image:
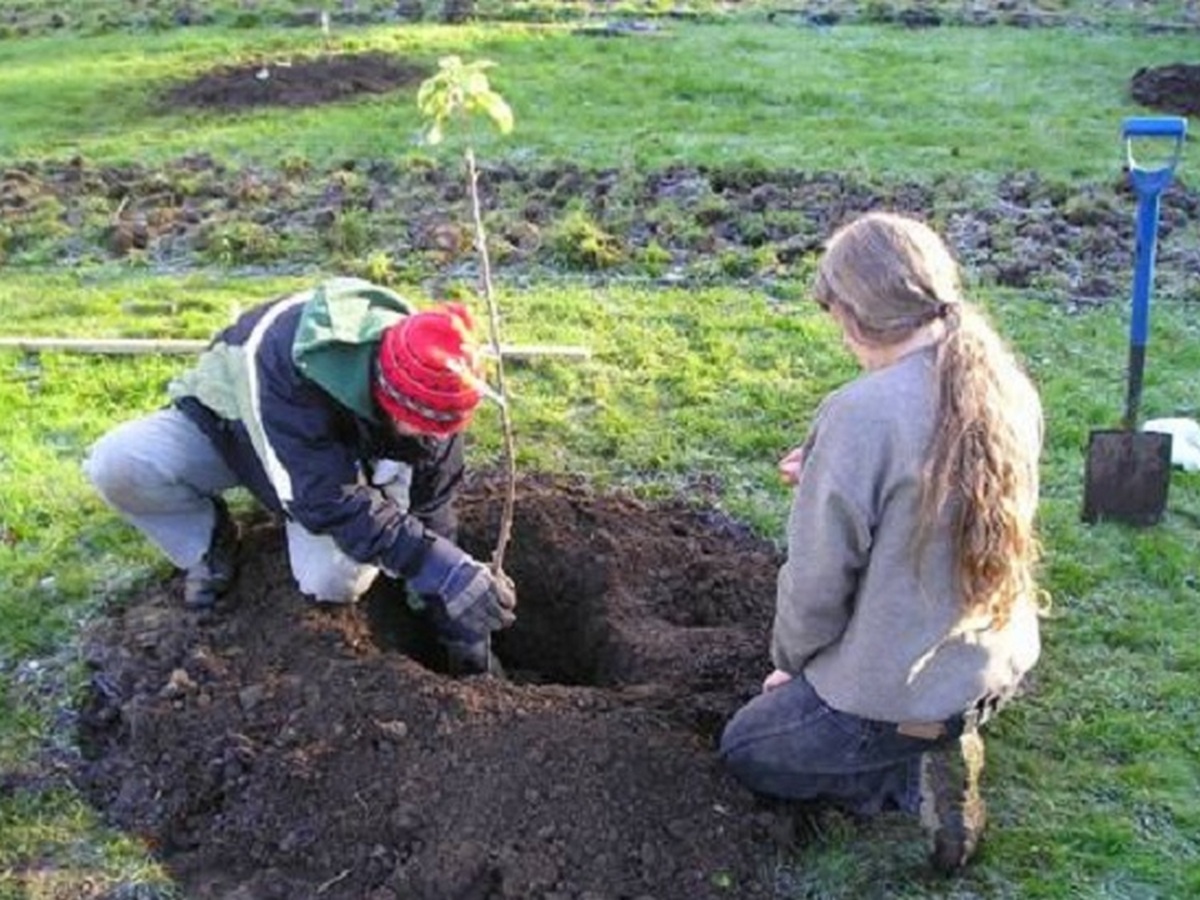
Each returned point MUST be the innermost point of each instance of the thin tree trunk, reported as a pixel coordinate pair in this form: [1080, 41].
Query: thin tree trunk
[510, 461]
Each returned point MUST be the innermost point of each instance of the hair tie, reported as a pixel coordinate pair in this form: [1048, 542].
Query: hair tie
[951, 314]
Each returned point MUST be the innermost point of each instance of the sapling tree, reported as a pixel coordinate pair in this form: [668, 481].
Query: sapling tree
[459, 94]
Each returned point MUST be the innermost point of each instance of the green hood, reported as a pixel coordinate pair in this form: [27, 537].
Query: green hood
[338, 337]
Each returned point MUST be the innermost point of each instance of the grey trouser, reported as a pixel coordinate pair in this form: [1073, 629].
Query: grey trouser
[788, 743]
[161, 474]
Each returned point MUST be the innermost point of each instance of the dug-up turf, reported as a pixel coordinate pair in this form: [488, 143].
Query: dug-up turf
[411, 222]
[299, 82]
[271, 749]
[1173, 88]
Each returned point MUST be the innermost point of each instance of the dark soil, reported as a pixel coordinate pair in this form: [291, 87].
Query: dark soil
[1173, 88]
[299, 82]
[273, 749]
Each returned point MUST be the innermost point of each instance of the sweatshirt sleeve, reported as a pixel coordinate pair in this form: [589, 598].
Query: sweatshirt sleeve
[828, 540]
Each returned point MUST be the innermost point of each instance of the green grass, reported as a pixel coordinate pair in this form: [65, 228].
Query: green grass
[870, 101]
[1094, 775]
[1094, 781]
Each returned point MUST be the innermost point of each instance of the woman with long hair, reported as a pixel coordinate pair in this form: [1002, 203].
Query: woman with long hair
[906, 612]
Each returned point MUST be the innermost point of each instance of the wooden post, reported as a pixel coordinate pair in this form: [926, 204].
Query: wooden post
[145, 346]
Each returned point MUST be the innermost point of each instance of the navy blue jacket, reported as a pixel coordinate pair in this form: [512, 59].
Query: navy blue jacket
[304, 452]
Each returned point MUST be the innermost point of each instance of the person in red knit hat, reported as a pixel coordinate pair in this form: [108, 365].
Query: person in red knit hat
[342, 409]
[427, 379]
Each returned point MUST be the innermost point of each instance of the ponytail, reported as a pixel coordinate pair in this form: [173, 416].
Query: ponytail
[982, 468]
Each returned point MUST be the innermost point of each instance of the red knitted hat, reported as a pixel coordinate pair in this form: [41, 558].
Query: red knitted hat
[428, 373]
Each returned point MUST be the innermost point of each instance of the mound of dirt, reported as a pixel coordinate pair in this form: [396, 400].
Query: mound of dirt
[296, 82]
[1172, 88]
[274, 749]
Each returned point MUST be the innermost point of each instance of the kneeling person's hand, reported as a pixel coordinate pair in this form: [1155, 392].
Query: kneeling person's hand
[478, 600]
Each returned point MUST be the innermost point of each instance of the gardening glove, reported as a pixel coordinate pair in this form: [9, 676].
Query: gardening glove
[467, 598]
[477, 600]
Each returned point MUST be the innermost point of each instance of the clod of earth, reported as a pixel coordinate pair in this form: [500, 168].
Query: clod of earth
[279, 750]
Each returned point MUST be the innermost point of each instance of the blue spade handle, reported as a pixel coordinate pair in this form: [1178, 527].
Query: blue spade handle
[1148, 184]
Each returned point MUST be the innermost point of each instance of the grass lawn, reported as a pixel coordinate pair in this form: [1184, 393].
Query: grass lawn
[877, 101]
[1094, 777]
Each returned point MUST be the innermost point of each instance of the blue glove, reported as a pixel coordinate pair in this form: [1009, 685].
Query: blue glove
[472, 600]
[476, 600]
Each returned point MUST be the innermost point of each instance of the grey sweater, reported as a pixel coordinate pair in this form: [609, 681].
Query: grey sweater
[876, 634]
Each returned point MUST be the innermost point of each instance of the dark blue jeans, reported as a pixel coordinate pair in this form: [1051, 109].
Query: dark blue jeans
[789, 743]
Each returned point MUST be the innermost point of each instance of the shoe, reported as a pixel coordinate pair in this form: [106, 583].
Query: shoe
[208, 579]
[952, 808]
[474, 658]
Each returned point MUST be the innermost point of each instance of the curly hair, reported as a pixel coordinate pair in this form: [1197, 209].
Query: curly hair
[889, 276]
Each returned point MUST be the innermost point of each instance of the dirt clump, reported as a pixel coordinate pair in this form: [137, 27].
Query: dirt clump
[275, 749]
[296, 82]
[1173, 88]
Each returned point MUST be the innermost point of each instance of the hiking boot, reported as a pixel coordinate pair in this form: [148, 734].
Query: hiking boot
[952, 809]
[212, 576]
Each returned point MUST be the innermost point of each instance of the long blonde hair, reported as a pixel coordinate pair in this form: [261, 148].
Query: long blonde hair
[889, 276]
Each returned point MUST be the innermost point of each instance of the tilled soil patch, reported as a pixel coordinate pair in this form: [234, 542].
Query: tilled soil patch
[677, 225]
[272, 749]
[297, 82]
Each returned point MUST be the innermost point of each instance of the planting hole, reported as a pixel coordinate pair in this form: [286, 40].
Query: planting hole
[273, 745]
